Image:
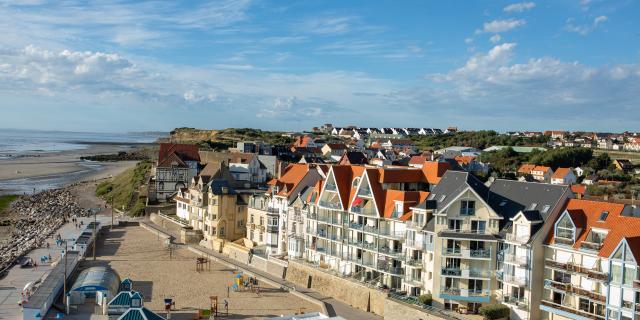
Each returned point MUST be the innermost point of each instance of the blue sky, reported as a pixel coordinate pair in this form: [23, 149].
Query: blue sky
[506, 65]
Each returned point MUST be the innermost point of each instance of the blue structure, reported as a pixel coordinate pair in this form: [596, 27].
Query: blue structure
[92, 280]
[138, 312]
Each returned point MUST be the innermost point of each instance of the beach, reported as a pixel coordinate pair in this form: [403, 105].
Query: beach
[42, 171]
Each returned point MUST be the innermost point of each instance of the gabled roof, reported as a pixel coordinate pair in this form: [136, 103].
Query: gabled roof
[561, 173]
[619, 223]
[170, 159]
[186, 152]
[336, 146]
[353, 157]
[526, 168]
[140, 314]
[579, 189]
[451, 184]
[541, 168]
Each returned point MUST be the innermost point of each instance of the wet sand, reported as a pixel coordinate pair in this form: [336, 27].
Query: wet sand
[58, 169]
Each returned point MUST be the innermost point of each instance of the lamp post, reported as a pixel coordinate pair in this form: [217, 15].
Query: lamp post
[112, 208]
[95, 233]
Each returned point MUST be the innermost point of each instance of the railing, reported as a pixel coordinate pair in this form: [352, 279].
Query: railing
[522, 261]
[452, 291]
[517, 238]
[414, 262]
[272, 228]
[570, 288]
[571, 310]
[465, 272]
[467, 230]
[415, 224]
[391, 270]
[364, 211]
[273, 210]
[519, 281]
[591, 245]
[563, 241]
[520, 302]
[330, 187]
[598, 275]
[397, 253]
[467, 253]
[330, 205]
[366, 192]
[439, 313]
[414, 281]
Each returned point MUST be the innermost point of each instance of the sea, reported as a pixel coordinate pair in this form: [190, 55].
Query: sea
[18, 143]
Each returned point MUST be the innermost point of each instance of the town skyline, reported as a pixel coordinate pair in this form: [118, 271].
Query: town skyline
[238, 63]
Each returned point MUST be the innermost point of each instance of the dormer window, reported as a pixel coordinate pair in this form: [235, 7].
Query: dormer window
[594, 240]
[565, 231]
[355, 182]
[603, 216]
[546, 208]
[442, 197]
[532, 206]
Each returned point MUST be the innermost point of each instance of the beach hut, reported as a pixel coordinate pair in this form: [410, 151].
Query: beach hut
[138, 312]
[122, 301]
[91, 281]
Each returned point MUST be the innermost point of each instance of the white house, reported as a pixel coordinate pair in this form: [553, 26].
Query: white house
[563, 176]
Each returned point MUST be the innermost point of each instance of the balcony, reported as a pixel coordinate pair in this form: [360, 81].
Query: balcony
[272, 228]
[396, 253]
[520, 302]
[330, 205]
[521, 261]
[569, 288]
[391, 270]
[467, 253]
[518, 281]
[364, 192]
[563, 241]
[414, 262]
[595, 246]
[466, 272]
[330, 187]
[296, 235]
[473, 295]
[597, 275]
[417, 245]
[560, 309]
[414, 281]
[415, 225]
[363, 211]
[517, 238]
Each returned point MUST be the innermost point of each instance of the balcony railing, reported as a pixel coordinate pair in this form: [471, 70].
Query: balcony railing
[563, 241]
[522, 261]
[272, 228]
[466, 272]
[330, 205]
[415, 224]
[597, 275]
[591, 245]
[571, 310]
[467, 253]
[467, 230]
[518, 238]
[519, 281]
[414, 262]
[570, 288]
[414, 281]
[391, 270]
[452, 291]
[520, 302]
[330, 187]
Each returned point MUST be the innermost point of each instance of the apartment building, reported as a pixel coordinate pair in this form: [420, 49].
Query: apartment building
[268, 213]
[212, 205]
[358, 225]
[479, 241]
[591, 263]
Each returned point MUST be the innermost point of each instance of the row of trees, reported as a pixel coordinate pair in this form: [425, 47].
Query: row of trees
[476, 139]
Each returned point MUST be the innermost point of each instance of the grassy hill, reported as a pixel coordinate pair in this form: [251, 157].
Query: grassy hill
[127, 189]
[5, 201]
[225, 138]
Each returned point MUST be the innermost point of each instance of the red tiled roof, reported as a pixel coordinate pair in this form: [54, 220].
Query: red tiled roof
[434, 170]
[186, 152]
[526, 168]
[541, 168]
[579, 189]
[293, 174]
[561, 173]
[465, 159]
[586, 216]
[418, 159]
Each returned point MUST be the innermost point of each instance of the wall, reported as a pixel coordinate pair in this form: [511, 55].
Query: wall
[402, 311]
[352, 293]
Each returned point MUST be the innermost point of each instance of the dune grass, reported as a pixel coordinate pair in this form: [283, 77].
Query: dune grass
[5, 201]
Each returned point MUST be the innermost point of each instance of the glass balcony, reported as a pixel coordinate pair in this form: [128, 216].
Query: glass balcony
[330, 205]
[465, 272]
[391, 270]
[521, 261]
[454, 292]
[330, 187]
[467, 253]
[413, 281]
[518, 281]
[520, 302]
[414, 262]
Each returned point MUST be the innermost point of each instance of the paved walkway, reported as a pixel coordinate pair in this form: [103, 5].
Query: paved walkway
[334, 307]
[12, 285]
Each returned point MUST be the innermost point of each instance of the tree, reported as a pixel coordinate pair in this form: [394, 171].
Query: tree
[600, 162]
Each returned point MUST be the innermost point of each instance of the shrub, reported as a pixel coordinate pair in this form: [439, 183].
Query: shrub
[425, 299]
[103, 188]
[495, 311]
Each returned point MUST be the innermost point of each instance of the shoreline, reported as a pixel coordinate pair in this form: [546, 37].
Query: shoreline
[44, 171]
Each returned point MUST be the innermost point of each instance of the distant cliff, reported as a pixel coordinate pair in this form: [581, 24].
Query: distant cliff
[225, 138]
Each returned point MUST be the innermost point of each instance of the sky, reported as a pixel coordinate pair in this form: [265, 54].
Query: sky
[282, 65]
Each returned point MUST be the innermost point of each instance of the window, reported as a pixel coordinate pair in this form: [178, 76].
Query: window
[240, 223]
[455, 225]
[564, 229]
[629, 275]
[503, 203]
[603, 216]
[467, 208]
[251, 219]
[478, 226]
[251, 235]
[532, 206]
[616, 273]
[222, 231]
[261, 236]
[442, 197]
[355, 182]
[546, 208]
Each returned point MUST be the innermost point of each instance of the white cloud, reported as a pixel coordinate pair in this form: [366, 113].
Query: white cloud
[490, 83]
[468, 40]
[495, 38]
[519, 7]
[584, 29]
[330, 25]
[498, 26]
[239, 67]
[192, 96]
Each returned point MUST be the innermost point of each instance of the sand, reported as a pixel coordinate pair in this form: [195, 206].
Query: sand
[45, 164]
[136, 253]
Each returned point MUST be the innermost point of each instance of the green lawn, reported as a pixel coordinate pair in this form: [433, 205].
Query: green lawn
[5, 201]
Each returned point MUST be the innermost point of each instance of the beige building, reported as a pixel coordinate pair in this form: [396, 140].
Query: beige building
[212, 205]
